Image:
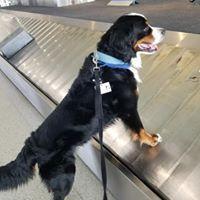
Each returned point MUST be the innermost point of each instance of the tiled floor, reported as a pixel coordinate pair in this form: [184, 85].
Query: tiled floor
[17, 119]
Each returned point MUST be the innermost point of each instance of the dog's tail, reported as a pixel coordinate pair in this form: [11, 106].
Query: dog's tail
[20, 170]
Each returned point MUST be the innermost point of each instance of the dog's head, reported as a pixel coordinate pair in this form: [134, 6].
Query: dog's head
[130, 34]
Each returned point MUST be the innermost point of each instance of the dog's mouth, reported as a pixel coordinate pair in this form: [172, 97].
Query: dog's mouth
[147, 47]
[148, 44]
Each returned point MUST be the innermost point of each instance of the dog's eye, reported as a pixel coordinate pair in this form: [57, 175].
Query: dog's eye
[146, 29]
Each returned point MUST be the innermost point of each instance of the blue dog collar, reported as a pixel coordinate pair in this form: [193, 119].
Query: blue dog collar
[105, 60]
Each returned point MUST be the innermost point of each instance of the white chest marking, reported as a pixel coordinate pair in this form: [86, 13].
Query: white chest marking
[136, 65]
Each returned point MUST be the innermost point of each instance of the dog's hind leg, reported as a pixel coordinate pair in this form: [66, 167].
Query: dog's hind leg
[58, 174]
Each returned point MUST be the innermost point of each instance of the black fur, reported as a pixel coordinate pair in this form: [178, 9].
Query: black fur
[73, 122]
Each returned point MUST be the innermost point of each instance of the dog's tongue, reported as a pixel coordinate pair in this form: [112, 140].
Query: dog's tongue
[148, 47]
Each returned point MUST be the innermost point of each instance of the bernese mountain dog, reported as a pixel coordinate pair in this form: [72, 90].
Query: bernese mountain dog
[73, 122]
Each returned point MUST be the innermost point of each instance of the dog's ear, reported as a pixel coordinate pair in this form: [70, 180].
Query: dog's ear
[122, 41]
[118, 42]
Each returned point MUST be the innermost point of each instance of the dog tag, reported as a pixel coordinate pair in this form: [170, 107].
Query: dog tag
[105, 88]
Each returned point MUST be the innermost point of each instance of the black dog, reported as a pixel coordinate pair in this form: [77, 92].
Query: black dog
[194, 1]
[73, 122]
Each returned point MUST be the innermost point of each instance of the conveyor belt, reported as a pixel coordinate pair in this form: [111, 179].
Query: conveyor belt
[169, 100]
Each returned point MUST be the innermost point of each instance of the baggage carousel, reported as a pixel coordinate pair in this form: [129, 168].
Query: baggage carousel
[169, 102]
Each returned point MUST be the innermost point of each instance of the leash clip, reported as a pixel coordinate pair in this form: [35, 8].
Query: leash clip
[95, 61]
[96, 68]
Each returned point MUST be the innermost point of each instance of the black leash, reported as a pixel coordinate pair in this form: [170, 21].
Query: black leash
[99, 115]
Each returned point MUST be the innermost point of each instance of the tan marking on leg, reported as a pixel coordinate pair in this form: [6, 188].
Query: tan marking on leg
[135, 136]
[146, 138]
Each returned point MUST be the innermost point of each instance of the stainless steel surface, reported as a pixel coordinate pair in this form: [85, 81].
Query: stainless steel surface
[91, 25]
[169, 99]
[9, 24]
[121, 181]
[37, 98]
[50, 39]
[15, 42]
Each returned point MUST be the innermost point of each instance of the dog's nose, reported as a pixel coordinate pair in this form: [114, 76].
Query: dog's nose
[163, 31]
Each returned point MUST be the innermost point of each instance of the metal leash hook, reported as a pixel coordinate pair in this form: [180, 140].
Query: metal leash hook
[96, 71]
[104, 87]
[95, 61]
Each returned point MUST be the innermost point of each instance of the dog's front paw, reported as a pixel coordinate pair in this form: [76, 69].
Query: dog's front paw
[149, 139]
[146, 138]
[155, 139]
